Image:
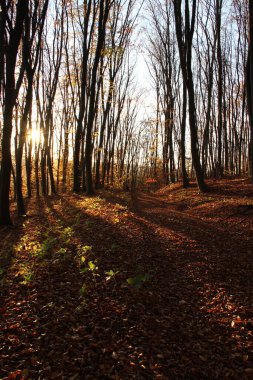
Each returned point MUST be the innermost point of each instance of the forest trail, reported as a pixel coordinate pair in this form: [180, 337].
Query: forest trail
[157, 286]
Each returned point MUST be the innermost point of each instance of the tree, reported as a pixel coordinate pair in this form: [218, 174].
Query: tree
[34, 24]
[12, 19]
[218, 9]
[87, 34]
[104, 9]
[184, 39]
[250, 84]
[163, 69]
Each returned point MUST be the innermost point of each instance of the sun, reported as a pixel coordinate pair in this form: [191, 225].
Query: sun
[35, 135]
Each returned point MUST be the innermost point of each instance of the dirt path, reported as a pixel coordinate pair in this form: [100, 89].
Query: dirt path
[159, 294]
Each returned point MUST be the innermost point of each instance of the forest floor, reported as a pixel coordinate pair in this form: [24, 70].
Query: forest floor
[121, 286]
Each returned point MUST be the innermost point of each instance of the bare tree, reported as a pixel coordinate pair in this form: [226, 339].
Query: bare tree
[34, 24]
[12, 20]
[250, 83]
[184, 39]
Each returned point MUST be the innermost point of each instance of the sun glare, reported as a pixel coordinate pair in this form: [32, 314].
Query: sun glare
[35, 135]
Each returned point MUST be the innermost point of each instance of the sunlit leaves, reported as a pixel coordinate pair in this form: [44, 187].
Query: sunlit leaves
[91, 267]
[111, 274]
[26, 273]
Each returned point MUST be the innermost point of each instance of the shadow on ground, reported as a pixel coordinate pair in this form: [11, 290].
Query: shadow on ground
[176, 325]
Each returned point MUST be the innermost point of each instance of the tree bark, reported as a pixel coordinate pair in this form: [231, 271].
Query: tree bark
[10, 96]
[249, 82]
[185, 53]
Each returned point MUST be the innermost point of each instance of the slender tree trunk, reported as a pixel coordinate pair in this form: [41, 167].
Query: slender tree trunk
[36, 164]
[182, 143]
[103, 16]
[250, 85]
[194, 136]
[220, 87]
[19, 155]
[185, 53]
[28, 165]
[65, 159]
[43, 172]
[77, 168]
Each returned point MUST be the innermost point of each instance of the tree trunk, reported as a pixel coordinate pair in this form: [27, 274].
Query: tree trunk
[103, 16]
[5, 218]
[10, 97]
[22, 139]
[28, 165]
[182, 143]
[185, 53]
[250, 85]
[220, 87]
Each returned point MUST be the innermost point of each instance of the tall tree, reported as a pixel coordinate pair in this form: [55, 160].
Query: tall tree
[104, 9]
[184, 32]
[12, 24]
[250, 84]
[218, 7]
[34, 24]
[87, 34]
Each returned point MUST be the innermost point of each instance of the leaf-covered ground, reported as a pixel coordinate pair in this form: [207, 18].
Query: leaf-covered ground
[149, 286]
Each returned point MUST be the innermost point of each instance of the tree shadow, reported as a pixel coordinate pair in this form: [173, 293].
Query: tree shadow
[9, 237]
[160, 333]
[94, 327]
[222, 259]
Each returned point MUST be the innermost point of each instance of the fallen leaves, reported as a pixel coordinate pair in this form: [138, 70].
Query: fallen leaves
[154, 293]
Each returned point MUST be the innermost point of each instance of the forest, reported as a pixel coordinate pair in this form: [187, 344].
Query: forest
[126, 189]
